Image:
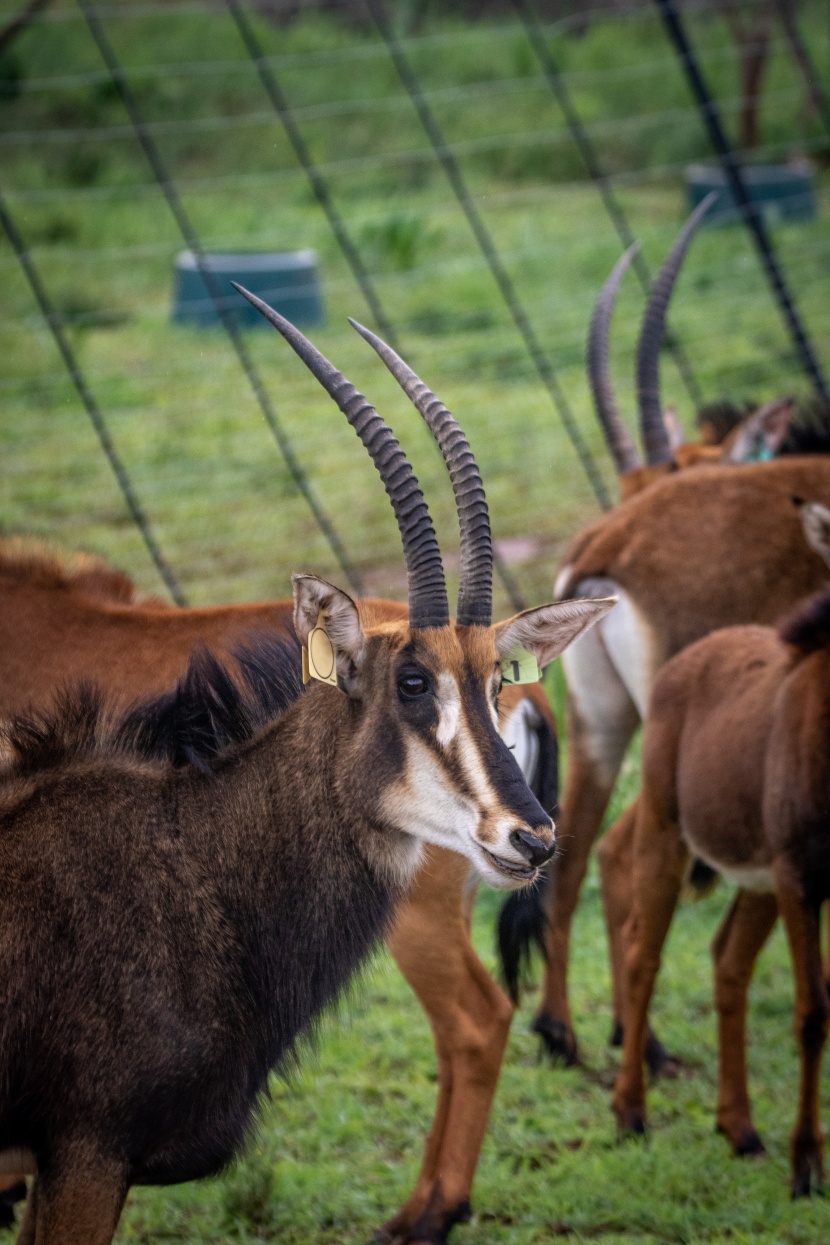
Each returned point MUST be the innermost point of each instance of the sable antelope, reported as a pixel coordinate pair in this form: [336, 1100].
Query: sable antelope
[686, 552]
[735, 770]
[63, 619]
[238, 847]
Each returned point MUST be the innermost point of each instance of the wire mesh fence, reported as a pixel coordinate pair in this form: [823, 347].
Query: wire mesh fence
[222, 501]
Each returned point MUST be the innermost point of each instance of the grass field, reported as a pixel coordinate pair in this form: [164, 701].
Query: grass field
[340, 1144]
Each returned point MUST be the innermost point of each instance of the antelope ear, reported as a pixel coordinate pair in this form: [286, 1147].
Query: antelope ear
[760, 436]
[342, 621]
[547, 631]
[815, 519]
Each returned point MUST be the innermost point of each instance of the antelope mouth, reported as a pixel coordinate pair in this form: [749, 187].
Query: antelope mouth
[512, 868]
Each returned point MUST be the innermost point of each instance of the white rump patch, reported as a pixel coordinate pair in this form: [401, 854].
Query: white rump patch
[519, 733]
[749, 877]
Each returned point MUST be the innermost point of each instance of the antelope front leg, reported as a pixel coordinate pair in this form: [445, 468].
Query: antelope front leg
[659, 863]
[598, 735]
[76, 1201]
[616, 862]
[470, 1017]
[737, 945]
[812, 1010]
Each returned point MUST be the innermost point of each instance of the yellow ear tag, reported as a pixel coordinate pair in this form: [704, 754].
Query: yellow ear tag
[519, 666]
[319, 658]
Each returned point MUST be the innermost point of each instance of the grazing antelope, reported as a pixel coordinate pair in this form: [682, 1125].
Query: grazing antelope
[686, 551]
[211, 867]
[735, 770]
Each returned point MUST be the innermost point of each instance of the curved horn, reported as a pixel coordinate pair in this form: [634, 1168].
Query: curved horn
[428, 606]
[475, 588]
[655, 439]
[620, 443]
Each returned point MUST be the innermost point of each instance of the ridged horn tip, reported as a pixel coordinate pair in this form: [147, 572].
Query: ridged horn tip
[655, 438]
[428, 606]
[620, 443]
[475, 585]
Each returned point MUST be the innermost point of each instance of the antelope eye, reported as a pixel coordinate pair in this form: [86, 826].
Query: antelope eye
[410, 686]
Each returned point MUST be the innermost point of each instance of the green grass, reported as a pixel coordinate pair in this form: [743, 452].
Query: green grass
[340, 1144]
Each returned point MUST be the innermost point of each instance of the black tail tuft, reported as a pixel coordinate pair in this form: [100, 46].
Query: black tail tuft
[701, 879]
[522, 920]
[521, 929]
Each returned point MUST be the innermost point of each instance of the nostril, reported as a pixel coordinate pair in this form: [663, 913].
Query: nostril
[532, 848]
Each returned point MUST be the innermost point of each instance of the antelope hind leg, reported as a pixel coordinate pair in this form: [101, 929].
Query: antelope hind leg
[737, 945]
[812, 1010]
[470, 1018]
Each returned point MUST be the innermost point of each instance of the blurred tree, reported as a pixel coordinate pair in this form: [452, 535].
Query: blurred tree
[751, 27]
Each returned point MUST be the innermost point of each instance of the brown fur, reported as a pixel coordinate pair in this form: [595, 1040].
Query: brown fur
[697, 550]
[735, 769]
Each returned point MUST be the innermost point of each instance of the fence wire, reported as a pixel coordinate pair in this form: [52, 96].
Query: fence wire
[224, 508]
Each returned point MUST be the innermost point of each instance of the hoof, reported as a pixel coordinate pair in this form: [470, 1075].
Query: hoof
[558, 1041]
[749, 1145]
[631, 1122]
[658, 1060]
[432, 1227]
[807, 1170]
[634, 1131]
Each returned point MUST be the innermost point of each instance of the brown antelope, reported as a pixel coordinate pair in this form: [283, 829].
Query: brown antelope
[211, 866]
[735, 771]
[686, 552]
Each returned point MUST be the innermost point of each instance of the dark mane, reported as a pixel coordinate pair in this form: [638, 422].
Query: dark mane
[212, 706]
[810, 430]
[807, 628]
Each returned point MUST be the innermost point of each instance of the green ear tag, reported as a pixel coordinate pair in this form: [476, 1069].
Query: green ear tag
[519, 666]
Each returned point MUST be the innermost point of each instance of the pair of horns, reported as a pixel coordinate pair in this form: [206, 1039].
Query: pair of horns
[655, 438]
[428, 605]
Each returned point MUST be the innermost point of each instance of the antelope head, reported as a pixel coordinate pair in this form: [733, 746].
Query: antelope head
[422, 691]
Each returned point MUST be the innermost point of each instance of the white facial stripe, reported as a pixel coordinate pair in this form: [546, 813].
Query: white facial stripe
[425, 803]
[474, 771]
[449, 708]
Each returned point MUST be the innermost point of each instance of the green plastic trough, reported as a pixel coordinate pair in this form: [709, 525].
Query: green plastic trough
[782, 191]
[289, 282]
